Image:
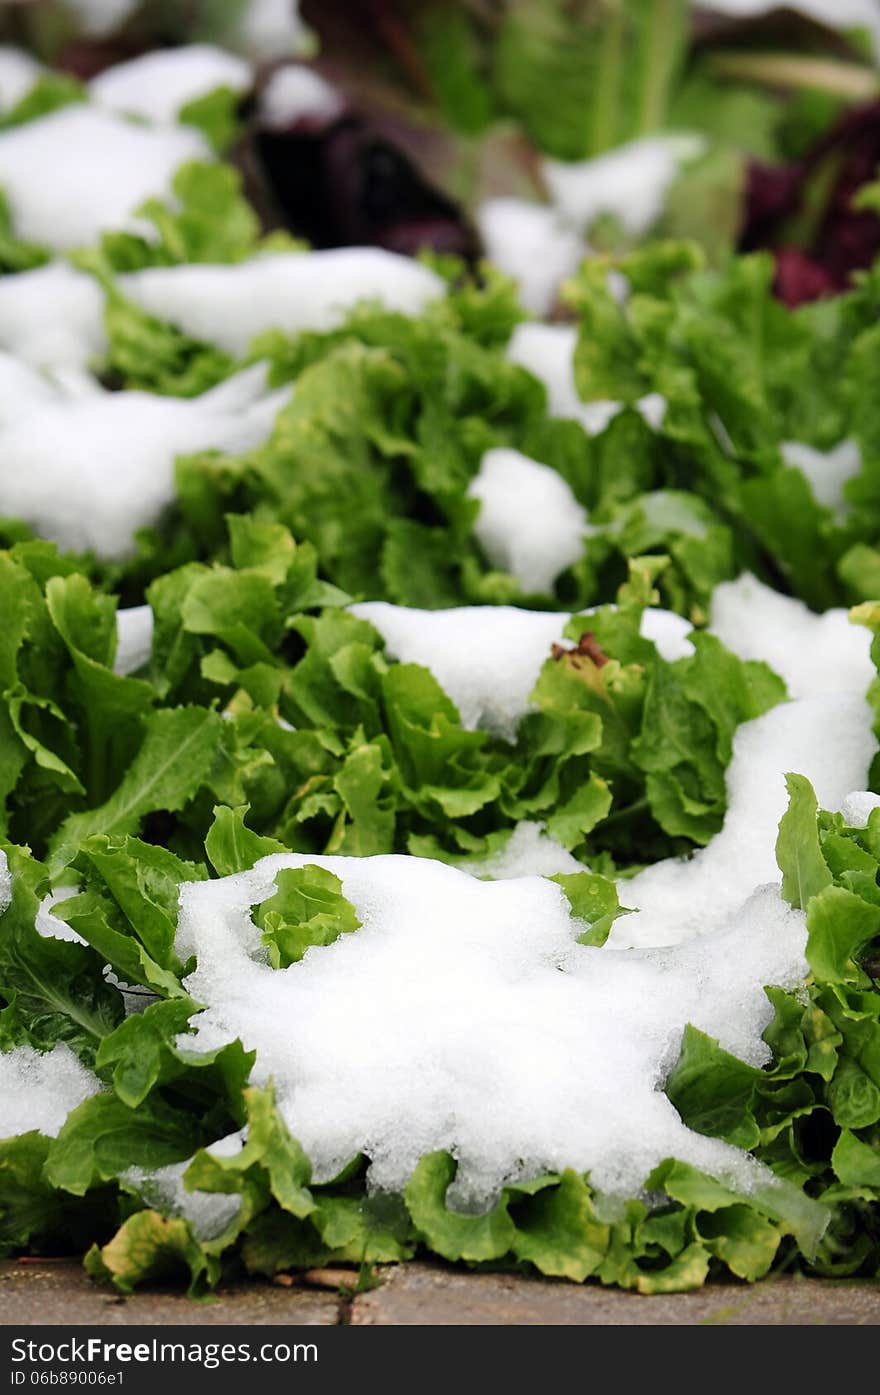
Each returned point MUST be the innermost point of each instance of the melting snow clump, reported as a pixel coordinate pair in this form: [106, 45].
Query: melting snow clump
[828, 739]
[22, 389]
[18, 73]
[88, 472]
[272, 29]
[825, 733]
[630, 183]
[38, 1089]
[529, 852]
[547, 352]
[463, 1015]
[530, 524]
[533, 245]
[826, 471]
[668, 631]
[294, 291]
[5, 882]
[134, 638]
[208, 1212]
[81, 171]
[53, 317]
[487, 658]
[295, 92]
[858, 807]
[814, 654]
[157, 85]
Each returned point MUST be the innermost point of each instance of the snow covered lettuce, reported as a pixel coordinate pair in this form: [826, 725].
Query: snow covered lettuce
[809, 1115]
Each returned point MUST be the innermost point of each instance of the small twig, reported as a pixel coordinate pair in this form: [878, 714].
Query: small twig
[331, 1278]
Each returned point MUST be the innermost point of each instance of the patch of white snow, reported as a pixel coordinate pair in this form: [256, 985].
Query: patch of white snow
[530, 524]
[81, 171]
[462, 1015]
[547, 352]
[294, 92]
[230, 305]
[531, 243]
[630, 183]
[826, 471]
[87, 472]
[18, 73]
[814, 654]
[38, 1089]
[159, 84]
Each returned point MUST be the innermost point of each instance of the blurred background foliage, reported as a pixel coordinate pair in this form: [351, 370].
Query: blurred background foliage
[475, 96]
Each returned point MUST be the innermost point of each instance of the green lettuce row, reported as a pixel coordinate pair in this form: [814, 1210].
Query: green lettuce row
[551, 1224]
[125, 913]
[209, 220]
[215, 113]
[392, 415]
[372, 459]
[578, 79]
[741, 374]
[262, 690]
[812, 1116]
[387, 428]
[212, 222]
[84, 750]
[94, 759]
[694, 1228]
[164, 1103]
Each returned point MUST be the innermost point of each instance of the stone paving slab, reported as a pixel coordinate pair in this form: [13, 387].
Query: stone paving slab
[418, 1294]
[62, 1293]
[423, 1293]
